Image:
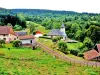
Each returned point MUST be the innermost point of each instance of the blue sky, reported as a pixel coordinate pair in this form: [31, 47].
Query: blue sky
[68, 5]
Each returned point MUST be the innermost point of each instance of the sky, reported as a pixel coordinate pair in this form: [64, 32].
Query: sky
[92, 6]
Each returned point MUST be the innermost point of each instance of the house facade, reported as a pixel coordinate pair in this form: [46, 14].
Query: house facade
[27, 39]
[7, 33]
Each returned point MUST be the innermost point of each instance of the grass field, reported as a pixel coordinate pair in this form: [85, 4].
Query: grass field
[39, 63]
[54, 46]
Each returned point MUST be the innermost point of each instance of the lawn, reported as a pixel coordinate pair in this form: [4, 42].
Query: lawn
[38, 63]
[74, 45]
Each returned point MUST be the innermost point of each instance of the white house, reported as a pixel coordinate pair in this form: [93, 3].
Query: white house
[38, 34]
[7, 33]
[27, 39]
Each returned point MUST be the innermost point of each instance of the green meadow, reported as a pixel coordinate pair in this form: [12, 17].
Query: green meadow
[25, 61]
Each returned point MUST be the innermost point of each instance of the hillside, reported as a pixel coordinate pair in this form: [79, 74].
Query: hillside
[24, 61]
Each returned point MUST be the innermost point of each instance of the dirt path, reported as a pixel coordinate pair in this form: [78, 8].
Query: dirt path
[66, 58]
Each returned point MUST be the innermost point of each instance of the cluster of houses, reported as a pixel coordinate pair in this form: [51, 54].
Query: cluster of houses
[8, 34]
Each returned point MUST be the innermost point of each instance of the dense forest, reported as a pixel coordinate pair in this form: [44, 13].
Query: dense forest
[84, 27]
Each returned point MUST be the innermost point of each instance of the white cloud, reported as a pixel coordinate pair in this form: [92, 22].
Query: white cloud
[73, 5]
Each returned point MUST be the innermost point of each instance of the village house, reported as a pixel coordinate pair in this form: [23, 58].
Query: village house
[38, 34]
[93, 54]
[58, 32]
[7, 33]
[27, 39]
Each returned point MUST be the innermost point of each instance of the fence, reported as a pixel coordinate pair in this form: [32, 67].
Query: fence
[68, 59]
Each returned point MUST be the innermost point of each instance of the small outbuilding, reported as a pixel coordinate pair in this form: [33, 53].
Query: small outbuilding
[38, 34]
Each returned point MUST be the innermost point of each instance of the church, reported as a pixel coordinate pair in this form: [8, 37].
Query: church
[58, 32]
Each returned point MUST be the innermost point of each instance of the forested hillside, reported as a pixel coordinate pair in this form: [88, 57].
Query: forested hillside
[84, 27]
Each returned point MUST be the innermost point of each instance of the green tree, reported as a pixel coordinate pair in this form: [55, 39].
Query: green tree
[62, 47]
[31, 27]
[94, 32]
[88, 43]
[17, 27]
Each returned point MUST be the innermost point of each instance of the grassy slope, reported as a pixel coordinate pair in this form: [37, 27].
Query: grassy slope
[49, 43]
[43, 64]
[40, 28]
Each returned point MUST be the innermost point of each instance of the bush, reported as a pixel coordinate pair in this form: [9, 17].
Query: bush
[17, 43]
[62, 47]
[55, 39]
[2, 42]
[74, 52]
[45, 35]
[11, 41]
[80, 55]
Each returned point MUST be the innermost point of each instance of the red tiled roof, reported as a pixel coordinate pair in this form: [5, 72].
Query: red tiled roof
[98, 47]
[38, 32]
[6, 30]
[26, 37]
[91, 54]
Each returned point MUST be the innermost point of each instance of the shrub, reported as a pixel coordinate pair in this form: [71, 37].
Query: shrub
[80, 55]
[11, 41]
[59, 37]
[55, 39]
[74, 52]
[17, 43]
[62, 47]
[45, 35]
[2, 42]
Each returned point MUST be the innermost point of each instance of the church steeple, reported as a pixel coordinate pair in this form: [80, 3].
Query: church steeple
[62, 29]
[62, 26]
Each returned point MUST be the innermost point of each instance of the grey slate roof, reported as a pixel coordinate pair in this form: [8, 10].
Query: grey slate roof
[20, 33]
[56, 32]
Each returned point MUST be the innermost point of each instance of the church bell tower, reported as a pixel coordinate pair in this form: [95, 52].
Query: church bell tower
[62, 29]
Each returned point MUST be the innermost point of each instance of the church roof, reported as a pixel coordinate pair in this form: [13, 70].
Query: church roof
[56, 32]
